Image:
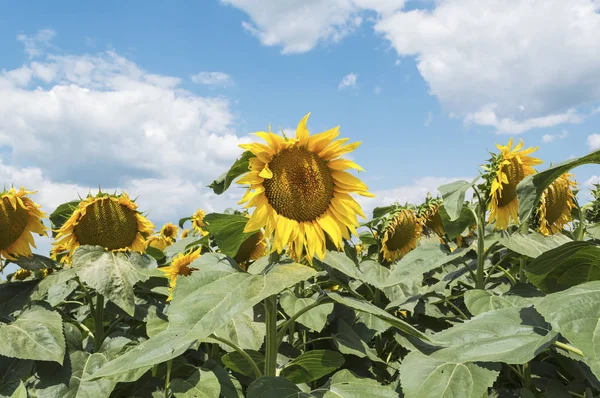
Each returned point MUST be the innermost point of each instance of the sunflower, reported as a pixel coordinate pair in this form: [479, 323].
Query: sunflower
[198, 222]
[429, 215]
[507, 170]
[251, 249]
[169, 231]
[557, 200]
[58, 253]
[301, 191]
[184, 233]
[19, 217]
[105, 220]
[159, 242]
[179, 266]
[400, 234]
[21, 274]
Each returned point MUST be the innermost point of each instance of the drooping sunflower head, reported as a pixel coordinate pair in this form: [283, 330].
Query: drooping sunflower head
[554, 210]
[21, 274]
[159, 242]
[504, 172]
[19, 218]
[110, 221]
[198, 223]
[428, 213]
[169, 231]
[301, 191]
[251, 249]
[401, 232]
[180, 266]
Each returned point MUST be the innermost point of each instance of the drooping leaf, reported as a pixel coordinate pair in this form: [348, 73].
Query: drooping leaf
[228, 231]
[529, 191]
[453, 196]
[424, 377]
[201, 384]
[532, 244]
[315, 319]
[575, 314]
[36, 262]
[36, 334]
[349, 342]
[113, 274]
[312, 365]
[568, 265]
[239, 167]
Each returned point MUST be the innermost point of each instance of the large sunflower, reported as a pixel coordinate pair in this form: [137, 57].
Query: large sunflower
[198, 223]
[400, 234]
[179, 266]
[105, 220]
[19, 217]
[557, 200]
[301, 191]
[508, 169]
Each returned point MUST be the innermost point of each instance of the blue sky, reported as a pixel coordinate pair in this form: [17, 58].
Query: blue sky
[154, 96]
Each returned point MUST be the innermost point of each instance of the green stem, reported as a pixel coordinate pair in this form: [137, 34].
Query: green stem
[480, 281]
[286, 324]
[508, 275]
[243, 353]
[272, 345]
[568, 348]
[99, 323]
[527, 383]
[522, 277]
[460, 312]
[312, 341]
[168, 378]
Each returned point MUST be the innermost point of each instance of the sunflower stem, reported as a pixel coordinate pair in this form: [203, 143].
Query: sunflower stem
[480, 282]
[168, 378]
[243, 353]
[568, 347]
[99, 323]
[522, 277]
[272, 345]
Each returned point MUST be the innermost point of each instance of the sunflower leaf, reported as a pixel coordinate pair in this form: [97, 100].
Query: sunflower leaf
[62, 214]
[456, 227]
[276, 387]
[453, 196]
[238, 168]
[345, 384]
[13, 296]
[532, 244]
[228, 231]
[529, 191]
[312, 365]
[201, 384]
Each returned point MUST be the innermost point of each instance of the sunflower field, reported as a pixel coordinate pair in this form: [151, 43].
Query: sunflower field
[489, 288]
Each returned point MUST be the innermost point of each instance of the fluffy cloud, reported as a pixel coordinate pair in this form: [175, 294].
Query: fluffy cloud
[547, 138]
[348, 81]
[212, 79]
[593, 141]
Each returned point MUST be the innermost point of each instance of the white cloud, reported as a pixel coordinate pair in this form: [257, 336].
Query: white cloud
[348, 81]
[299, 25]
[212, 79]
[593, 141]
[547, 138]
[35, 45]
[429, 119]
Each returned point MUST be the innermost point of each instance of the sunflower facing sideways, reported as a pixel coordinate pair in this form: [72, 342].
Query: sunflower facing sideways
[110, 221]
[401, 232]
[169, 231]
[179, 266]
[554, 211]
[505, 171]
[300, 190]
[19, 218]
[198, 223]
[429, 214]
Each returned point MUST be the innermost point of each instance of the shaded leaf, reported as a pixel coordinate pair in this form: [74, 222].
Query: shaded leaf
[312, 365]
[454, 228]
[348, 342]
[228, 231]
[238, 363]
[201, 384]
[14, 295]
[36, 262]
[345, 384]
[274, 387]
[480, 301]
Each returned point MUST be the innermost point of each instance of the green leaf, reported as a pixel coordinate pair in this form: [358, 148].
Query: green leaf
[454, 228]
[243, 332]
[228, 231]
[532, 244]
[348, 342]
[182, 246]
[57, 278]
[575, 314]
[480, 301]
[345, 384]
[530, 190]
[312, 365]
[315, 319]
[274, 387]
[36, 262]
[201, 384]
[113, 274]
[62, 214]
[203, 303]
[453, 196]
[156, 321]
[12, 371]
[382, 211]
[239, 167]
[20, 392]
[512, 335]
[14, 295]
[425, 377]
[568, 265]
[340, 262]
[367, 238]
[36, 334]
[238, 363]
[59, 292]
[364, 306]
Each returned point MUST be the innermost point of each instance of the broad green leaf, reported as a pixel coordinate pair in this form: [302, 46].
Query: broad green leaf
[57, 278]
[312, 365]
[228, 231]
[230, 386]
[425, 377]
[36, 262]
[512, 335]
[156, 321]
[201, 384]
[14, 295]
[62, 214]
[243, 332]
[532, 244]
[315, 319]
[20, 392]
[238, 363]
[367, 238]
[274, 387]
[342, 263]
[239, 167]
[364, 306]
[203, 303]
[345, 384]
[568, 265]
[348, 342]
[594, 230]
[113, 275]
[58, 292]
[530, 190]
[480, 301]
[181, 246]
[36, 334]
[12, 371]
[453, 196]
[575, 314]
[454, 228]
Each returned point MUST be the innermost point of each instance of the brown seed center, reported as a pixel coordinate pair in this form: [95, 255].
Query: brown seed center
[515, 174]
[402, 234]
[302, 186]
[12, 223]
